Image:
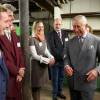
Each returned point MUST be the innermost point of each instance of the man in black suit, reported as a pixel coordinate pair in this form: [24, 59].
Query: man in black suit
[56, 41]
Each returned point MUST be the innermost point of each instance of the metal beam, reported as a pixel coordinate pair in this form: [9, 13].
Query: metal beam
[46, 4]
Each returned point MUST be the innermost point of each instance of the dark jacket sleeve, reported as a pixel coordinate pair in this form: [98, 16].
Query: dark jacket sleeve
[53, 46]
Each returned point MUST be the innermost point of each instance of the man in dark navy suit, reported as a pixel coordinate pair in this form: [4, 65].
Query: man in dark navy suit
[56, 41]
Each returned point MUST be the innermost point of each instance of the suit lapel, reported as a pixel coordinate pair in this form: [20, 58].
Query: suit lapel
[15, 43]
[86, 44]
[75, 48]
[63, 37]
[57, 37]
[6, 43]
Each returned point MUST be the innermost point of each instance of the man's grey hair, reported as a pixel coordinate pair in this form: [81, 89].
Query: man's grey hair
[9, 7]
[57, 18]
[80, 18]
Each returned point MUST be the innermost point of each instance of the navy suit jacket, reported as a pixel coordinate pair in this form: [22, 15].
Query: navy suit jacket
[55, 45]
[3, 78]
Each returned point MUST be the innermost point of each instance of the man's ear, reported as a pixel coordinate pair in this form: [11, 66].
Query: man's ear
[87, 25]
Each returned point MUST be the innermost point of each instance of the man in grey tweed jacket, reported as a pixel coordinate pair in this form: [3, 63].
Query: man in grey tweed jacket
[80, 58]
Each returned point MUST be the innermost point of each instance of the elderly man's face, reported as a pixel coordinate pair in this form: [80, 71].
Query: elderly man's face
[4, 20]
[11, 16]
[57, 24]
[79, 28]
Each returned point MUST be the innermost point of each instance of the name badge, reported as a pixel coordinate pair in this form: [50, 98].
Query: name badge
[66, 39]
[40, 44]
[92, 47]
[18, 44]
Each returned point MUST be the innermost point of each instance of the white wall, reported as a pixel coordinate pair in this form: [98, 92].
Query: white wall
[57, 13]
[94, 22]
[78, 6]
[81, 6]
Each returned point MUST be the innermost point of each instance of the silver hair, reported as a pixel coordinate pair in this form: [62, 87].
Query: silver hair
[58, 18]
[80, 18]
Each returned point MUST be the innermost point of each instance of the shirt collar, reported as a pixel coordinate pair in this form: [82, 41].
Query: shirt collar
[58, 31]
[84, 35]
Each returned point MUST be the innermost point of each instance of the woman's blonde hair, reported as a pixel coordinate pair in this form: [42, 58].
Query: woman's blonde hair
[35, 23]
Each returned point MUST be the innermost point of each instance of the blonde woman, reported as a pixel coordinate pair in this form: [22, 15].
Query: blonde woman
[41, 57]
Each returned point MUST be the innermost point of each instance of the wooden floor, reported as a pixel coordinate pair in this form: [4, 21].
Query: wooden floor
[46, 93]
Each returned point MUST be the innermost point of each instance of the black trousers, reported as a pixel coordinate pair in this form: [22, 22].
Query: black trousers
[81, 95]
[36, 93]
[8, 98]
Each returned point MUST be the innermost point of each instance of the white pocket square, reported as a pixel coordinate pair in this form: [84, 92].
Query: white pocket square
[91, 47]
[66, 39]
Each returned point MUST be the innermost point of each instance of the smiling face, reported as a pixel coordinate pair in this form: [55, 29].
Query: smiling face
[4, 20]
[11, 16]
[39, 29]
[79, 28]
[57, 24]
[79, 24]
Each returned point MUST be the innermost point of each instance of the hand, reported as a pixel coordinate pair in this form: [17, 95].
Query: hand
[21, 72]
[68, 70]
[45, 60]
[19, 78]
[92, 75]
[52, 61]
[12, 28]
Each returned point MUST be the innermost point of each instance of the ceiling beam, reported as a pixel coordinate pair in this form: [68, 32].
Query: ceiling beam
[46, 4]
[87, 14]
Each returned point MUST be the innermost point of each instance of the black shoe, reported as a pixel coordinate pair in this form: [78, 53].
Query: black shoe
[61, 96]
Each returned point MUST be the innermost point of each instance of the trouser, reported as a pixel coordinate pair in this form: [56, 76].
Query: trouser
[49, 72]
[57, 76]
[14, 98]
[9, 98]
[81, 95]
[36, 93]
